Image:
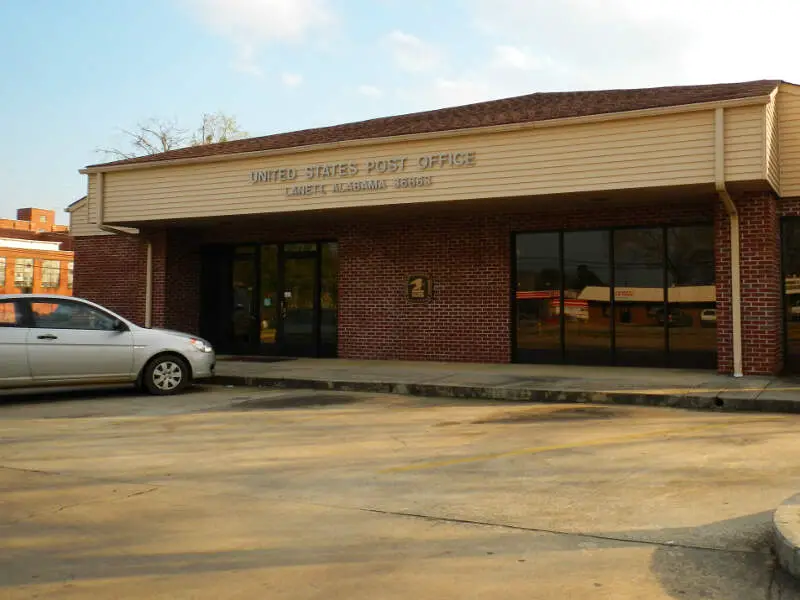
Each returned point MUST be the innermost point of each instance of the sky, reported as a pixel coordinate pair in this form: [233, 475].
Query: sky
[74, 74]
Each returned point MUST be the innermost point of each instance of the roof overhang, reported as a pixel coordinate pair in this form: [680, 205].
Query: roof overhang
[632, 114]
[77, 204]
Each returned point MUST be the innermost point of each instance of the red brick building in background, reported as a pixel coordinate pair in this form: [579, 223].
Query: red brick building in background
[35, 254]
[649, 227]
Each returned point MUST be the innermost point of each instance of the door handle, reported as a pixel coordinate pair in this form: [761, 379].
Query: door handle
[47, 336]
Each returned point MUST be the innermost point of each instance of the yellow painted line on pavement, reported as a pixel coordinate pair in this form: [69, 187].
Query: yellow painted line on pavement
[435, 464]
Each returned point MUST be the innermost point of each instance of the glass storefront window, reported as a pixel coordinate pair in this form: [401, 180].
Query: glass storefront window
[639, 312]
[692, 296]
[538, 292]
[632, 296]
[790, 241]
[587, 297]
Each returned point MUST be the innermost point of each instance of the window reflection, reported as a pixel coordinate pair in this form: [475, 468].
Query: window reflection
[692, 296]
[791, 290]
[538, 293]
[653, 304]
[329, 298]
[269, 302]
[639, 314]
[587, 297]
[244, 282]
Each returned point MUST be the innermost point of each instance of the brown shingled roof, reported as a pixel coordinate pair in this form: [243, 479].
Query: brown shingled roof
[520, 109]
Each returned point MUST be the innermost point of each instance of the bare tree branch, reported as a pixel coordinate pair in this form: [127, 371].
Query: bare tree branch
[160, 135]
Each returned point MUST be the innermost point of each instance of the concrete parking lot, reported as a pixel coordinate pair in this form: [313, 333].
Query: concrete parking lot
[249, 493]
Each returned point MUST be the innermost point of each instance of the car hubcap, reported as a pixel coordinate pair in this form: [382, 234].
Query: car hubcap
[167, 375]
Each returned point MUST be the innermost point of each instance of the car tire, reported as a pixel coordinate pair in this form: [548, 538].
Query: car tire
[165, 375]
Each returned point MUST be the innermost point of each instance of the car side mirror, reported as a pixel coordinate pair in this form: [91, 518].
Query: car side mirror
[119, 325]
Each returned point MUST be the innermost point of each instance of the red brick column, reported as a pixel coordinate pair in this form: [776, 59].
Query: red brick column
[183, 282]
[159, 241]
[762, 319]
[722, 251]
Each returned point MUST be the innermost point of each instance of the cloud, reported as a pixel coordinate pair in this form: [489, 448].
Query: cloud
[245, 61]
[291, 79]
[251, 24]
[635, 43]
[259, 21]
[370, 91]
[412, 54]
[512, 57]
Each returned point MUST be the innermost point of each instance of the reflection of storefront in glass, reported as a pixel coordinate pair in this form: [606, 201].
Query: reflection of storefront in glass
[633, 296]
[790, 240]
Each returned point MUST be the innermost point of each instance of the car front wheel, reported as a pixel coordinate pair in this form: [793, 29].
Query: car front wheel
[166, 375]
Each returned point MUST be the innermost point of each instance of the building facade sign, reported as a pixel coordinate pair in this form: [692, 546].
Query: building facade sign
[420, 288]
[376, 174]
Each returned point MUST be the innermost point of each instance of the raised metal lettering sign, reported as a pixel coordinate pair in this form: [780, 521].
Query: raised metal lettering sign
[371, 175]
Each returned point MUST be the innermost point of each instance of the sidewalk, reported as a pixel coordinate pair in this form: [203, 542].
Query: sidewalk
[537, 383]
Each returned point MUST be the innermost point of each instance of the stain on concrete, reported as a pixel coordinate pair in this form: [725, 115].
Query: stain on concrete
[294, 401]
[581, 413]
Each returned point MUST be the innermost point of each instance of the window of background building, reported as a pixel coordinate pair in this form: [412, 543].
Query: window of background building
[42, 219]
[23, 273]
[70, 271]
[51, 273]
[2, 271]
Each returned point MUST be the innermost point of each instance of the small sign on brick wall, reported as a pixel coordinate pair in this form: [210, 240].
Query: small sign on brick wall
[420, 288]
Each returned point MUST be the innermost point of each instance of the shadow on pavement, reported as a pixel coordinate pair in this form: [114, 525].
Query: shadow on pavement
[39, 395]
[71, 394]
[743, 565]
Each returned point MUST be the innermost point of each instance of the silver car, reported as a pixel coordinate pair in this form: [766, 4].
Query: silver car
[61, 340]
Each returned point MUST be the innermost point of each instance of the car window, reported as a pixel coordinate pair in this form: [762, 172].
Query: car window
[10, 314]
[69, 315]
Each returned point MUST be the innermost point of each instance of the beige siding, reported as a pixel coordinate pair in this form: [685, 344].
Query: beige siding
[83, 218]
[665, 150]
[789, 139]
[773, 145]
[745, 150]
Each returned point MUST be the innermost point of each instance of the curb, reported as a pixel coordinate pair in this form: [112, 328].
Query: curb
[725, 401]
[786, 530]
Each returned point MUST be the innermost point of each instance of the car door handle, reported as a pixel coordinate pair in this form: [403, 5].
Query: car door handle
[47, 336]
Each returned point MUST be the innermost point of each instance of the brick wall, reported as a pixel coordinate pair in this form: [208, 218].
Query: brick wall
[468, 258]
[722, 251]
[760, 281]
[762, 319]
[110, 270]
[182, 302]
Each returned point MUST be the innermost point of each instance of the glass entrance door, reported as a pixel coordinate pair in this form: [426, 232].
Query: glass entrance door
[299, 307]
[243, 315]
[277, 299]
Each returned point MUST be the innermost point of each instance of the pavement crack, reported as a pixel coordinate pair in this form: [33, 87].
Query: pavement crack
[577, 534]
[23, 470]
[141, 493]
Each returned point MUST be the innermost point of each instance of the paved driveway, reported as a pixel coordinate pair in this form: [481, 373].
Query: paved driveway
[246, 493]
